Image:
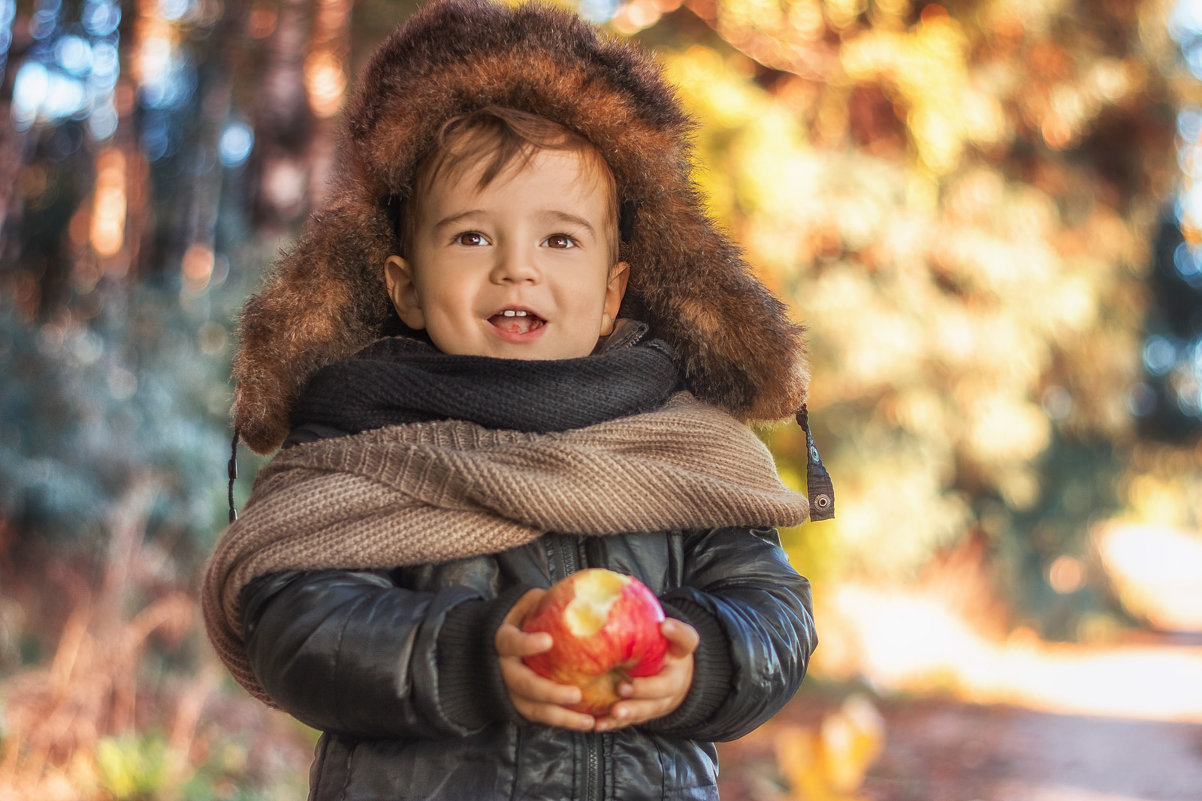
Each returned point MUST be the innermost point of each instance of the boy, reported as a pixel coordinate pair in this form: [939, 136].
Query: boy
[515, 230]
[376, 585]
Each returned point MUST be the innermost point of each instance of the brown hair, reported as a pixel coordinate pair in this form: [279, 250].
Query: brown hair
[498, 136]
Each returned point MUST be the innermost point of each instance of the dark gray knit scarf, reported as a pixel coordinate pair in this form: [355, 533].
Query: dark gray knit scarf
[401, 380]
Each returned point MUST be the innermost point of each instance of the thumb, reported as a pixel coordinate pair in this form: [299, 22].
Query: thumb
[512, 641]
[524, 607]
[682, 638]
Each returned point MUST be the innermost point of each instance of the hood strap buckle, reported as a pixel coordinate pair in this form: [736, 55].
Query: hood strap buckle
[819, 487]
[232, 469]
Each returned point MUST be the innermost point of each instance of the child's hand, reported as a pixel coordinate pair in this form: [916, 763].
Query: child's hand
[537, 699]
[655, 696]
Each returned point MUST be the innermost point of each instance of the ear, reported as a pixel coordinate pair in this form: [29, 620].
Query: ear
[398, 276]
[615, 290]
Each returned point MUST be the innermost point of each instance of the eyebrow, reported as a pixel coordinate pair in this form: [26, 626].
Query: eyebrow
[454, 218]
[561, 216]
[564, 216]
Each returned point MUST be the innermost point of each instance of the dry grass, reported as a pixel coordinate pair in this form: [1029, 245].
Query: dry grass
[100, 718]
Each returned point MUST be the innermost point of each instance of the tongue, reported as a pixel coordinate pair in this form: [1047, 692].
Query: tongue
[514, 325]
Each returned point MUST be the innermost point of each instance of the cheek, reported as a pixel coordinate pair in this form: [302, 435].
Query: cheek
[444, 295]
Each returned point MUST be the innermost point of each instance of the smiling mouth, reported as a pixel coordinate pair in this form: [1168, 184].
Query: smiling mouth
[517, 321]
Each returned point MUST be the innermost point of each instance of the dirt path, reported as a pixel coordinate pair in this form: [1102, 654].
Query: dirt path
[948, 751]
[970, 715]
[945, 752]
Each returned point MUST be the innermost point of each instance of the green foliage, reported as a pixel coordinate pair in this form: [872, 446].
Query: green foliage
[133, 768]
[225, 777]
[143, 767]
[139, 389]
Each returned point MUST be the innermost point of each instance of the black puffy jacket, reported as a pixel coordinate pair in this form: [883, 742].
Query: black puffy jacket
[399, 671]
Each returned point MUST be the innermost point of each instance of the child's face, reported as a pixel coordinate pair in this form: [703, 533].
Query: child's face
[519, 269]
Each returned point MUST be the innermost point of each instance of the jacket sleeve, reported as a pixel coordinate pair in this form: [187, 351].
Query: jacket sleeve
[354, 653]
[754, 614]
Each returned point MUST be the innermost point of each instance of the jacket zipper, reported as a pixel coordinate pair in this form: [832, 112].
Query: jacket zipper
[592, 760]
[567, 557]
[568, 552]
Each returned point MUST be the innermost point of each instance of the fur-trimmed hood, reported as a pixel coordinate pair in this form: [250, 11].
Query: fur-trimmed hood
[326, 299]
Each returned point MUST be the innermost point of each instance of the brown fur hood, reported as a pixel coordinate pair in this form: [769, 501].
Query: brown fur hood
[326, 298]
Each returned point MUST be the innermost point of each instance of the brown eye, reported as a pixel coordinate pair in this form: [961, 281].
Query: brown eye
[561, 241]
[470, 239]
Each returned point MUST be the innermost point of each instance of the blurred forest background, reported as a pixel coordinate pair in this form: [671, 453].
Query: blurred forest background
[985, 212]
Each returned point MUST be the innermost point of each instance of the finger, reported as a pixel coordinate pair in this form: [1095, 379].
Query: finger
[658, 686]
[544, 693]
[512, 641]
[524, 606]
[641, 700]
[668, 687]
[682, 638]
[541, 700]
[630, 713]
[610, 723]
[526, 684]
[617, 717]
[554, 715]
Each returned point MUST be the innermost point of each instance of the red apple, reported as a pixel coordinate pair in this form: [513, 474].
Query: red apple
[605, 629]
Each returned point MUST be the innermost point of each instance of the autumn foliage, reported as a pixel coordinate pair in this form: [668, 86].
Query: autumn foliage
[983, 212]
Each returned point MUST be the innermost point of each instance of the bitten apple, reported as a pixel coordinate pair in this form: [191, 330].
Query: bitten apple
[605, 629]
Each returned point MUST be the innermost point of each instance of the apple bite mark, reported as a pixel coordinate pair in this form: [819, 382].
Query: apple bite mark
[596, 592]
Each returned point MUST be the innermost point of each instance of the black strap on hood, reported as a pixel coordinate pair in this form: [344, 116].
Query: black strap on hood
[819, 487]
[232, 469]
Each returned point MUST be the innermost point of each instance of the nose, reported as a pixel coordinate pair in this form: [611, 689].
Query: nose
[514, 265]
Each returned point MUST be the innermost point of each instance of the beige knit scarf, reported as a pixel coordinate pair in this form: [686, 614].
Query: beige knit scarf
[435, 491]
